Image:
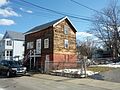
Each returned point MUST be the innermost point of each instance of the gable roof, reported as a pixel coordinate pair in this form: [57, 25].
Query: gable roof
[46, 25]
[14, 35]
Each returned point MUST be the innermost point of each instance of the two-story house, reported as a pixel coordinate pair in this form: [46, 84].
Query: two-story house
[12, 46]
[54, 42]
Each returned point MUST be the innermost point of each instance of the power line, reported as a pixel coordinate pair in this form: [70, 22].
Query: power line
[53, 11]
[23, 4]
[87, 7]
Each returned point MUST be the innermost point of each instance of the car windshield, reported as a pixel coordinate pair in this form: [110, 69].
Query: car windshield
[13, 64]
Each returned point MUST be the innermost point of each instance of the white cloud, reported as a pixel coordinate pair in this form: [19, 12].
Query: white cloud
[21, 9]
[83, 34]
[8, 12]
[1, 35]
[6, 22]
[27, 11]
[3, 2]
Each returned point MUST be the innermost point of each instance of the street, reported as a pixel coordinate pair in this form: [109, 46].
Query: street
[35, 83]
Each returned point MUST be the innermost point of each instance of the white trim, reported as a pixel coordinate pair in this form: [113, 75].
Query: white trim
[53, 25]
[60, 21]
[64, 19]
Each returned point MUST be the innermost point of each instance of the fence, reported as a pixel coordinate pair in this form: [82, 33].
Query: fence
[63, 65]
[66, 68]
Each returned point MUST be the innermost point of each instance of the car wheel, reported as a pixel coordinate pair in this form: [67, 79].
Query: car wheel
[8, 74]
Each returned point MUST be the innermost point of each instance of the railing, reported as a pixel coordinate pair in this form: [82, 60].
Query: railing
[27, 56]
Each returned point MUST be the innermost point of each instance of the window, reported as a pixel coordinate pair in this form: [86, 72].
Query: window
[9, 43]
[38, 46]
[66, 43]
[30, 45]
[9, 53]
[46, 43]
[47, 58]
[66, 29]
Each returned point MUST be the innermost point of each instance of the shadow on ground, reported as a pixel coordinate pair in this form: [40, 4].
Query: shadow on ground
[112, 75]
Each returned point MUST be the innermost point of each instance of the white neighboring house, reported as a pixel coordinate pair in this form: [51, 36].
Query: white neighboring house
[12, 46]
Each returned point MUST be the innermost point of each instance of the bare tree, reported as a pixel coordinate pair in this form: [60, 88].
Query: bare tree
[107, 26]
[85, 48]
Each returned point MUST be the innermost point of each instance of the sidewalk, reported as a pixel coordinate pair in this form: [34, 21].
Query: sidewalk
[81, 81]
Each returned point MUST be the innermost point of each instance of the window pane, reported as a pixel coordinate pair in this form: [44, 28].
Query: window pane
[38, 46]
[31, 44]
[11, 53]
[9, 43]
[7, 53]
[66, 43]
[66, 29]
[46, 43]
[28, 45]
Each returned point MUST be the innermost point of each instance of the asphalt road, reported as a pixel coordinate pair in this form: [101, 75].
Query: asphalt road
[112, 75]
[32, 83]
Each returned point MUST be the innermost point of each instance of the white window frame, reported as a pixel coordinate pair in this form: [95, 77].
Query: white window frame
[9, 43]
[66, 29]
[38, 46]
[9, 53]
[46, 43]
[30, 45]
[66, 43]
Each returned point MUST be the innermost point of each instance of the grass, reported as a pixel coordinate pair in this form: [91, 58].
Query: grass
[99, 69]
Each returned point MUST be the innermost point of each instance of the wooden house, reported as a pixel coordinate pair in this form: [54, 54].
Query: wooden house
[51, 42]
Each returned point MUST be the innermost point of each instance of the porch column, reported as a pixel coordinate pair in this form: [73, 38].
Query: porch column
[30, 59]
[34, 58]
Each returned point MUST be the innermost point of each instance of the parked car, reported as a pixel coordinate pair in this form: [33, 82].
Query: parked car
[4, 70]
[12, 68]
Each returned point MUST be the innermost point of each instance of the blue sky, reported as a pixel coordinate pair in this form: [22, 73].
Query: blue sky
[18, 16]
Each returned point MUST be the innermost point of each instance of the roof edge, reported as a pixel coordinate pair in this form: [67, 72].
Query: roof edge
[64, 19]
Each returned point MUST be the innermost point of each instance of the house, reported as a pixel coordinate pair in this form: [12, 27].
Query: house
[12, 46]
[53, 42]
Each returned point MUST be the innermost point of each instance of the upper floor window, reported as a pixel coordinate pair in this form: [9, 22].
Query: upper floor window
[9, 43]
[46, 43]
[30, 45]
[66, 43]
[66, 29]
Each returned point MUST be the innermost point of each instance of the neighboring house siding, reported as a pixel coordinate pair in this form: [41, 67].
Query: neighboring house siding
[11, 47]
[18, 49]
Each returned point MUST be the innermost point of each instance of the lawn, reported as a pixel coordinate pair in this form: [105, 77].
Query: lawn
[99, 69]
